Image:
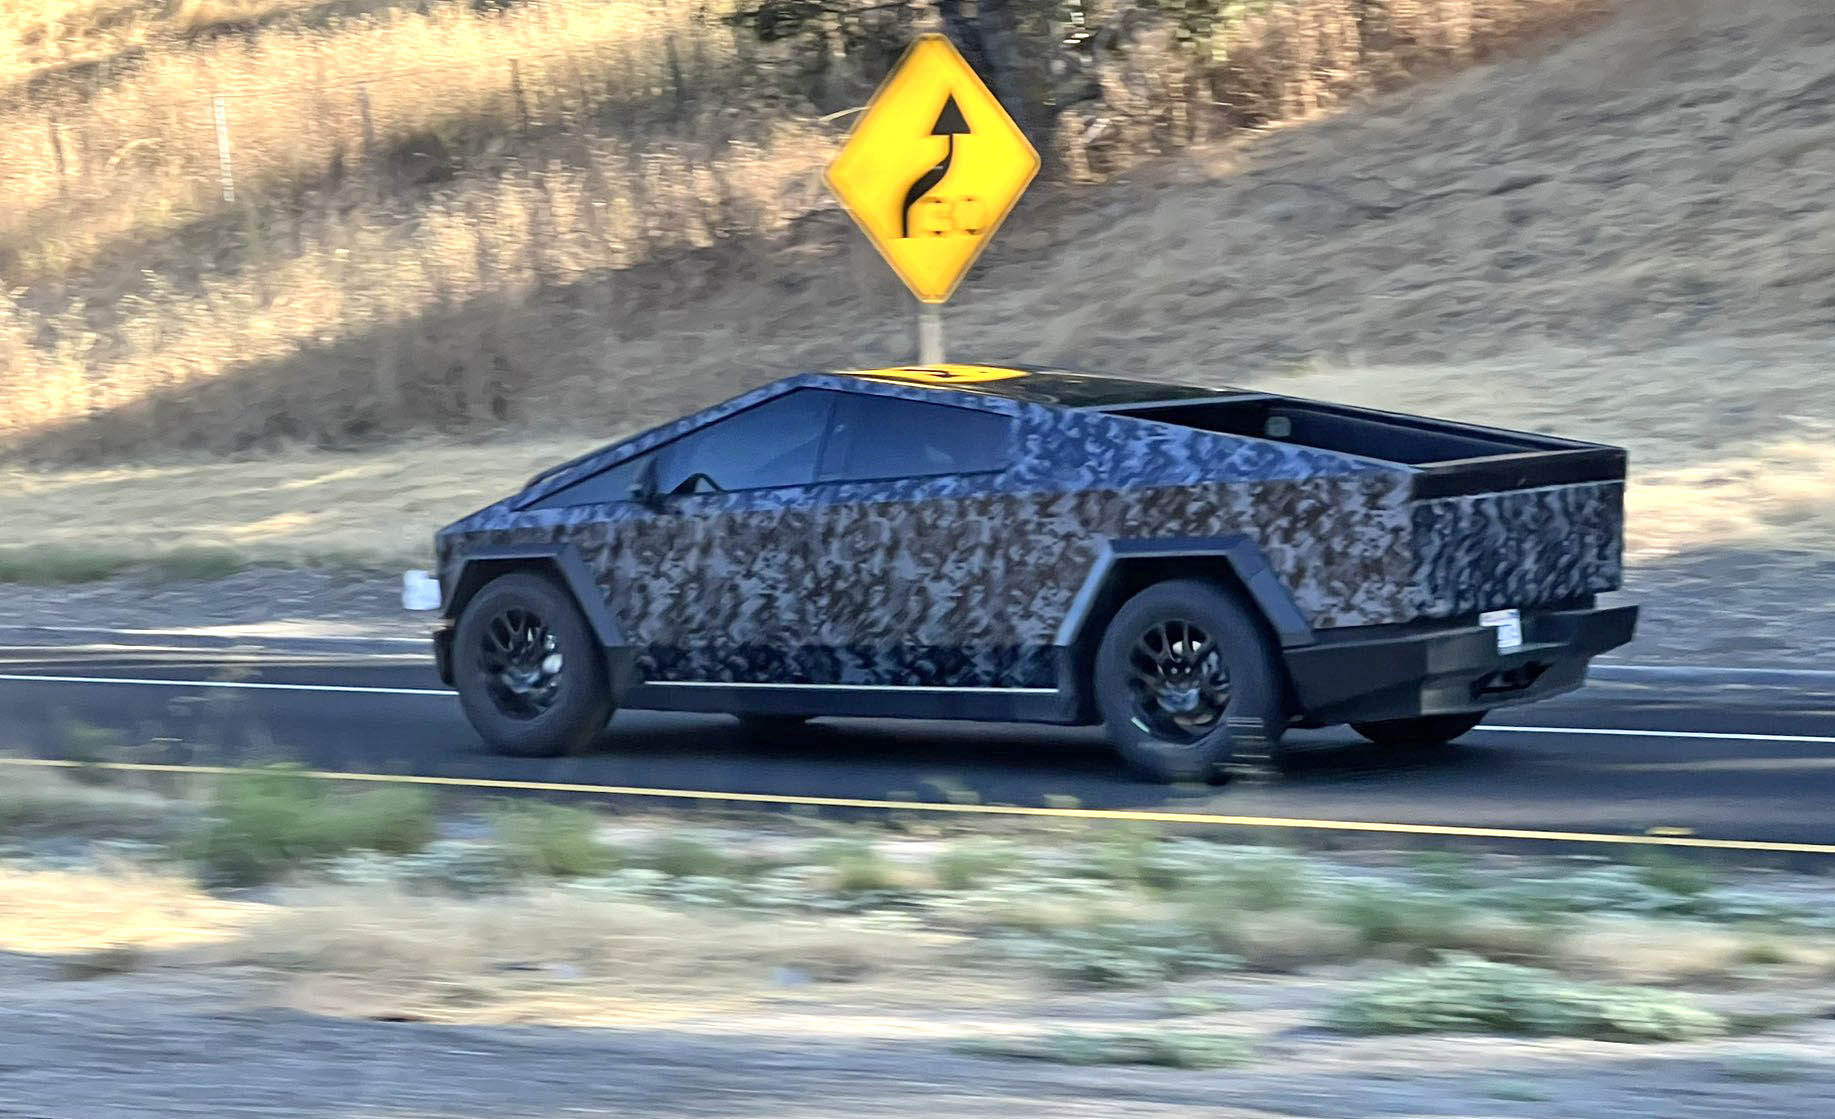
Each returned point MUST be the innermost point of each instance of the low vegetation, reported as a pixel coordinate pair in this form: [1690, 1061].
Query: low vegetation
[535, 839]
[266, 823]
[1534, 947]
[51, 565]
[1168, 1048]
[37, 802]
[1471, 995]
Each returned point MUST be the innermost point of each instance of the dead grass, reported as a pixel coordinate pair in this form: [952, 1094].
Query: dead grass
[69, 913]
[567, 958]
[1678, 953]
[377, 509]
[443, 217]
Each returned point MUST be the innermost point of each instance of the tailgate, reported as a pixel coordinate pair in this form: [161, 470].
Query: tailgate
[1521, 547]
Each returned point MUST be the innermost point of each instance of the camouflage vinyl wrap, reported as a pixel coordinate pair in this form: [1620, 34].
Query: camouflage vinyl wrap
[963, 580]
[1496, 550]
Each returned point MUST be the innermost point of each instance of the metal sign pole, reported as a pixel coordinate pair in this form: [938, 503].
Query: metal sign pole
[930, 334]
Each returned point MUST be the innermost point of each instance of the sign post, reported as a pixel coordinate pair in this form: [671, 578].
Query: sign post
[930, 334]
[932, 168]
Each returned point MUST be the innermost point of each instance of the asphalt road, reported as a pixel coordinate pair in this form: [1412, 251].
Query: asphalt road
[1699, 761]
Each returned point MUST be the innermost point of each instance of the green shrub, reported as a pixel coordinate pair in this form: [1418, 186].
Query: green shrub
[193, 564]
[1445, 870]
[857, 866]
[681, 856]
[54, 566]
[78, 741]
[1257, 884]
[1126, 954]
[57, 566]
[1473, 995]
[538, 839]
[266, 822]
[1395, 918]
[1123, 854]
[966, 865]
[1662, 871]
[1167, 1048]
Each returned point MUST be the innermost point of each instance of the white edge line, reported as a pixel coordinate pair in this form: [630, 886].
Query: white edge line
[1604, 732]
[235, 684]
[1611, 732]
[1710, 670]
[212, 634]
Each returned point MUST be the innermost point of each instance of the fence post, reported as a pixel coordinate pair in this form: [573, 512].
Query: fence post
[57, 152]
[224, 170]
[369, 126]
[522, 104]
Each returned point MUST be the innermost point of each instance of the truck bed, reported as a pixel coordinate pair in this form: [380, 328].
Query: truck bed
[1446, 459]
[1496, 518]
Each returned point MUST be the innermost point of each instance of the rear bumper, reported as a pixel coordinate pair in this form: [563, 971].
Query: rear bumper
[1399, 672]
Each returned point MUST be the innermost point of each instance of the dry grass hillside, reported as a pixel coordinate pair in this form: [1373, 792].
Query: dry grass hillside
[464, 215]
[1624, 236]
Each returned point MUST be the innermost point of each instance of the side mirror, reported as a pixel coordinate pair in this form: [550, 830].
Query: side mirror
[643, 487]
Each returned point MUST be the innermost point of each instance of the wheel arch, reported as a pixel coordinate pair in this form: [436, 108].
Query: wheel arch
[561, 562]
[1125, 567]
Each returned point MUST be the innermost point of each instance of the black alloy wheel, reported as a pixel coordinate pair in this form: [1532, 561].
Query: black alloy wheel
[522, 659]
[530, 672]
[1180, 682]
[1188, 682]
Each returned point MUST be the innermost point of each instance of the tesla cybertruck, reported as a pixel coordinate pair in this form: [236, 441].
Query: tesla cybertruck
[1197, 570]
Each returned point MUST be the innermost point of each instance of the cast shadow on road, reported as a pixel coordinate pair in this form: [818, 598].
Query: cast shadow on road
[937, 761]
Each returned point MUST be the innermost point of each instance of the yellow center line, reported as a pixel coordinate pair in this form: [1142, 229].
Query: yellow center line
[1664, 838]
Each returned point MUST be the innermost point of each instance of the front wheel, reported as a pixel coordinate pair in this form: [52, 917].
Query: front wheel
[530, 674]
[1187, 681]
[1425, 730]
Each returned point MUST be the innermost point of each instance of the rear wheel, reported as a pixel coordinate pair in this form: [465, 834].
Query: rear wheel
[1187, 681]
[530, 674]
[1425, 730]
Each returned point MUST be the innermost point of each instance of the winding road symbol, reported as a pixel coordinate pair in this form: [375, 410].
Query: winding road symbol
[929, 207]
[949, 125]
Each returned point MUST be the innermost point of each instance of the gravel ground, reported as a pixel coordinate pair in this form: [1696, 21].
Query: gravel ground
[166, 1043]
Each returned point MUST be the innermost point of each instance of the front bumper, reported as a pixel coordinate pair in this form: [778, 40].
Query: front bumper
[442, 652]
[1399, 672]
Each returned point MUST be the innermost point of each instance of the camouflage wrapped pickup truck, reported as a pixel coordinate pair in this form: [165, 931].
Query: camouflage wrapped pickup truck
[1196, 569]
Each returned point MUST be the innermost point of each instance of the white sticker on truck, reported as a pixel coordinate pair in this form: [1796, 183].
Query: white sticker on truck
[1509, 627]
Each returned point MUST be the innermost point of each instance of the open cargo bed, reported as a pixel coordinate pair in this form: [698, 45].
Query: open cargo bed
[1496, 519]
[1447, 459]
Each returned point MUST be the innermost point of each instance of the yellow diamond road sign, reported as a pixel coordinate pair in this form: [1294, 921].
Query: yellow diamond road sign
[932, 168]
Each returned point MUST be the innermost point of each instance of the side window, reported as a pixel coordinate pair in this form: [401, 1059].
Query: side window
[886, 437]
[770, 444]
[611, 484]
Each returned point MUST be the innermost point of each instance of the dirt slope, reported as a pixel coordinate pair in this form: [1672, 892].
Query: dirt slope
[1629, 238]
[1633, 235]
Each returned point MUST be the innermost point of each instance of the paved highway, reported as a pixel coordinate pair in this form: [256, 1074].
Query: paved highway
[1728, 762]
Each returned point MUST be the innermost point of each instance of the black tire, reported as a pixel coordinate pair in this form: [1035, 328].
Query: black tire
[1241, 721]
[501, 668]
[1425, 730]
[768, 728]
